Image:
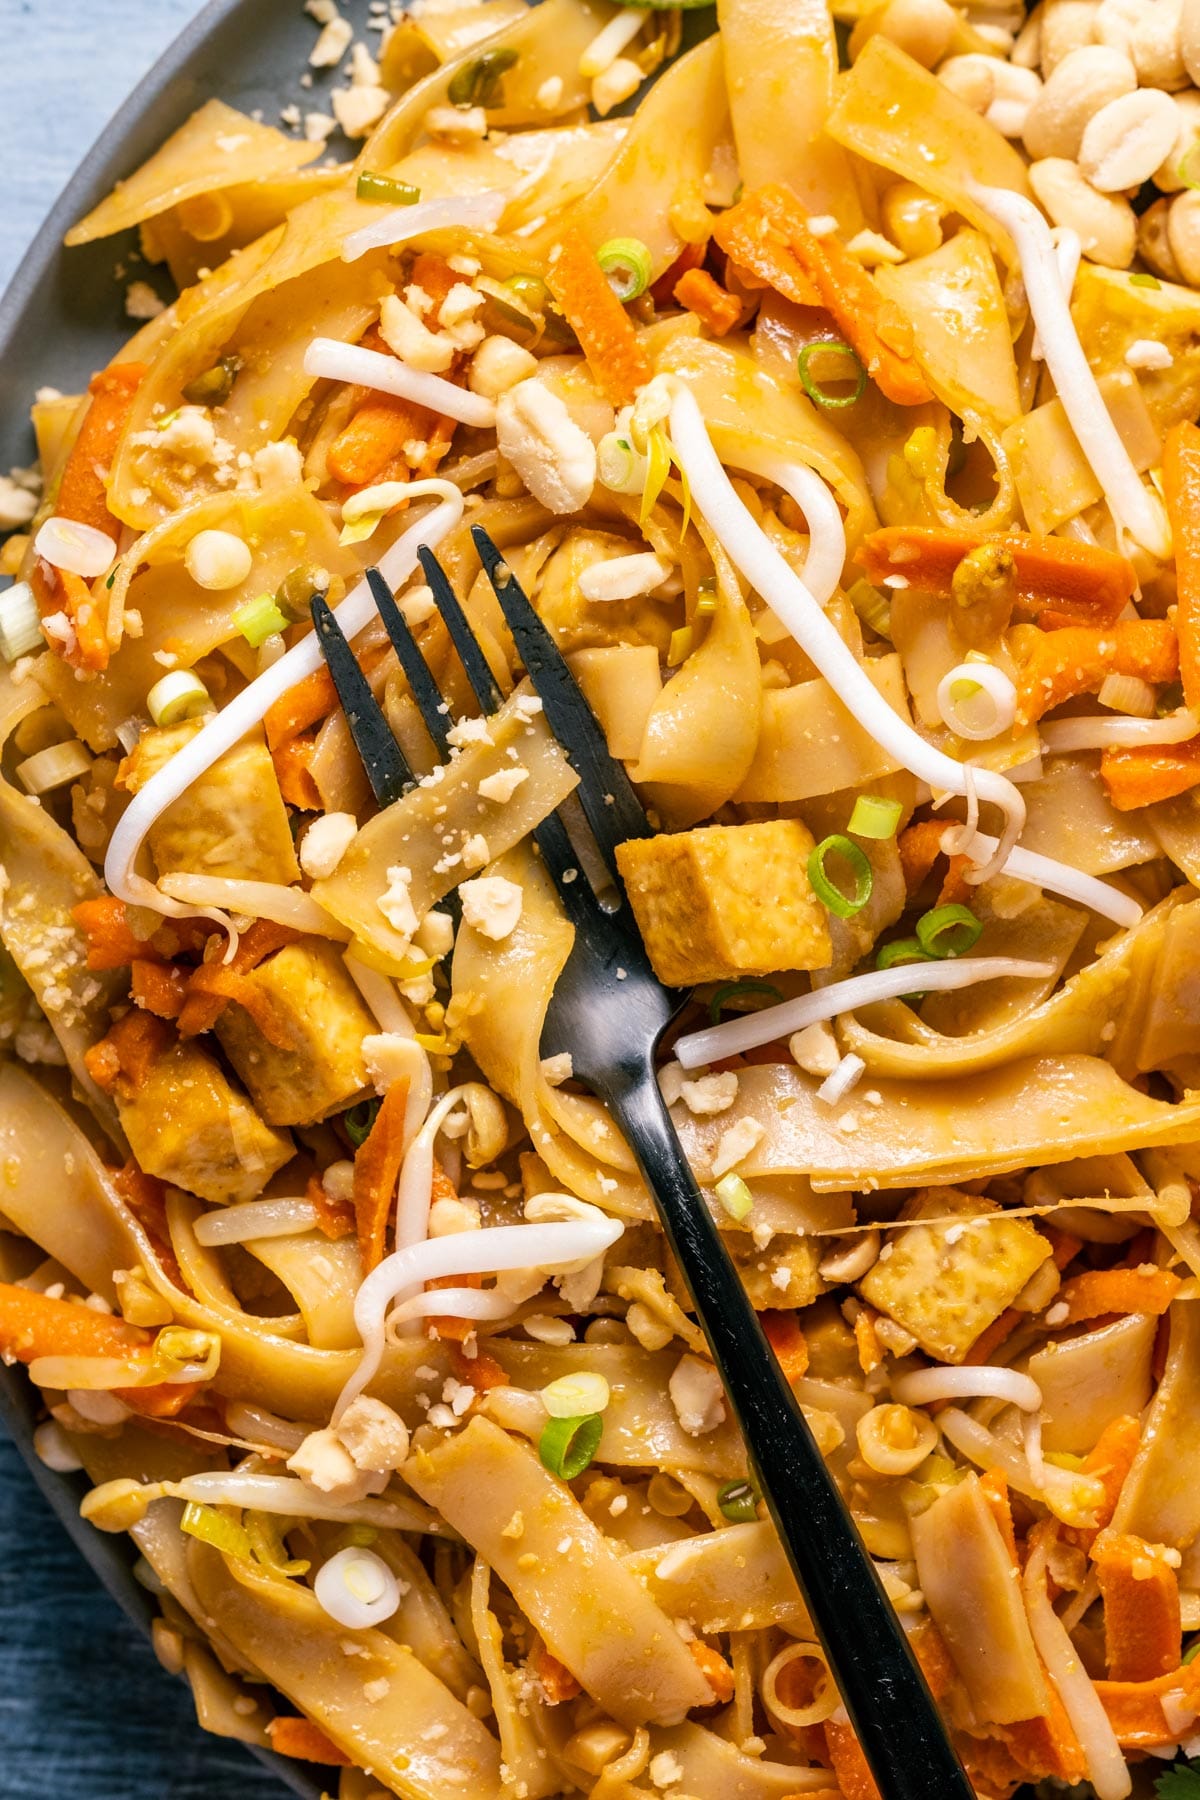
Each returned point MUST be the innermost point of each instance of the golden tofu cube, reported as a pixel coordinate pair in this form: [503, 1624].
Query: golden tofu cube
[232, 822]
[726, 900]
[946, 1282]
[190, 1126]
[314, 1008]
[785, 1275]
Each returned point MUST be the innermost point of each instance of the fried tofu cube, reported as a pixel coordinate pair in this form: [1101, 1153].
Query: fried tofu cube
[190, 1126]
[314, 1010]
[785, 1275]
[726, 900]
[232, 822]
[946, 1282]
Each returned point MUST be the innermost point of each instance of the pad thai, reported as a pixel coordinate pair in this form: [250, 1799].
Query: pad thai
[834, 400]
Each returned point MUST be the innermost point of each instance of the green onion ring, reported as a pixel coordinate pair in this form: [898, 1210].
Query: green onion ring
[948, 931]
[843, 906]
[816, 393]
[567, 1446]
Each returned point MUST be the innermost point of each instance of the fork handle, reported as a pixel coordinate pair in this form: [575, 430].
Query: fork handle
[877, 1674]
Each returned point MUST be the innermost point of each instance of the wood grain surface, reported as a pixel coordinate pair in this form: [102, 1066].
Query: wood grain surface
[85, 1711]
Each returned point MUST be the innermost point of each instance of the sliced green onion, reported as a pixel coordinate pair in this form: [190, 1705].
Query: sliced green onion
[386, 190]
[901, 950]
[477, 83]
[258, 620]
[215, 1527]
[20, 622]
[530, 292]
[706, 598]
[948, 931]
[576, 1396]
[810, 382]
[357, 1537]
[1146, 281]
[733, 990]
[843, 906]
[178, 696]
[735, 1197]
[871, 608]
[214, 387]
[360, 1120]
[875, 817]
[620, 467]
[265, 1534]
[658, 467]
[567, 1446]
[738, 1502]
[626, 262]
[680, 646]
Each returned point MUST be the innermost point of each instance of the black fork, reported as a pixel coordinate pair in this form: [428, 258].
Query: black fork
[609, 1011]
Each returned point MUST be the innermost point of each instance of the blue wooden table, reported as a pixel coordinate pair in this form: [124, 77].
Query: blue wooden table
[85, 1710]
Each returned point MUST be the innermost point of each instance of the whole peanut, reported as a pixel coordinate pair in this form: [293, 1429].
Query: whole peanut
[1127, 140]
[1156, 48]
[1183, 235]
[1189, 38]
[1082, 83]
[1106, 223]
[1152, 242]
[1066, 25]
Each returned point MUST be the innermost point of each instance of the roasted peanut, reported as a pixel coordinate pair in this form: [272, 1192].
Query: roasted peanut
[1156, 47]
[1169, 174]
[1106, 223]
[1183, 235]
[1127, 140]
[924, 29]
[1066, 25]
[1189, 38]
[1152, 242]
[1083, 82]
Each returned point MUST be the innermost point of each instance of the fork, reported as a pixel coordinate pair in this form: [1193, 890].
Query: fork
[609, 1011]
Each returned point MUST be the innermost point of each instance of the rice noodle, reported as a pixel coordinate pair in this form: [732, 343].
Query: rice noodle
[1134, 508]
[399, 226]
[790, 600]
[1071, 1497]
[254, 1219]
[256, 899]
[925, 1385]
[1072, 884]
[554, 1248]
[753, 1029]
[331, 360]
[1105, 1760]
[290, 1496]
[247, 709]
[826, 557]
[1102, 731]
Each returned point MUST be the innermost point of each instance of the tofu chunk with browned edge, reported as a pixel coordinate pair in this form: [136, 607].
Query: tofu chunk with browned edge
[948, 1279]
[231, 822]
[314, 1009]
[726, 900]
[191, 1127]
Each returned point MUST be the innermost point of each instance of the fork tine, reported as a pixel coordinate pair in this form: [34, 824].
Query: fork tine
[484, 685]
[613, 810]
[382, 758]
[425, 691]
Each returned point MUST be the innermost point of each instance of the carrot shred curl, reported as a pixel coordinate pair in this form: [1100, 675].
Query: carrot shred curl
[130, 1051]
[713, 305]
[1135, 1708]
[783, 1333]
[305, 1742]
[557, 1682]
[604, 329]
[159, 988]
[214, 984]
[376, 1171]
[854, 1778]
[1142, 1628]
[1181, 485]
[33, 1325]
[371, 448]
[104, 924]
[1143, 774]
[768, 233]
[1078, 659]
[1098, 1292]
[715, 1670]
[1080, 583]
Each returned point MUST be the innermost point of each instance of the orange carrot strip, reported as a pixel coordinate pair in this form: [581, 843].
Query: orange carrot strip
[215, 981]
[603, 327]
[450, 1328]
[870, 1351]
[715, 1670]
[305, 1742]
[690, 257]
[160, 988]
[146, 1198]
[786, 1339]
[854, 1778]
[1181, 484]
[768, 232]
[1082, 582]
[293, 771]
[310, 701]
[920, 845]
[206, 999]
[481, 1371]
[1077, 660]
[937, 1664]
[1109, 1461]
[558, 1683]
[1142, 1630]
[1063, 1247]
[335, 1218]
[1142, 774]
[82, 493]
[32, 1325]
[105, 927]
[712, 304]
[1100, 1291]
[1047, 1748]
[131, 1049]
[1135, 1708]
[376, 1171]
[994, 1488]
[73, 596]
[991, 1337]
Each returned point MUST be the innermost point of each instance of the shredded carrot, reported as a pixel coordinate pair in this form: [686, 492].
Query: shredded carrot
[854, 1778]
[32, 1325]
[160, 988]
[870, 1351]
[372, 446]
[449, 1328]
[1063, 1247]
[129, 1052]
[293, 771]
[146, 1198]
[215, 981]
[937, 1664]
[712, 304]
[1142, 774]
[305, 1742]
[481, 1371]
[208, 993]
[82, 492]
[1082, 583]
[557, 1682]
[604, 329]
[920, 845]
[1142, 1630]
[105, 927]
[715, 1670]
[376, 1172]
[1109, 1462]
[768, 232]
[1098, 1292]
[73, 597]
[335, 1218]
[991, 1337]
[310, 701]
[1076, 660]
[691, 256]
[1047, 1748]
[1135, 1708]
[1181, 484]
[786, 1339]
